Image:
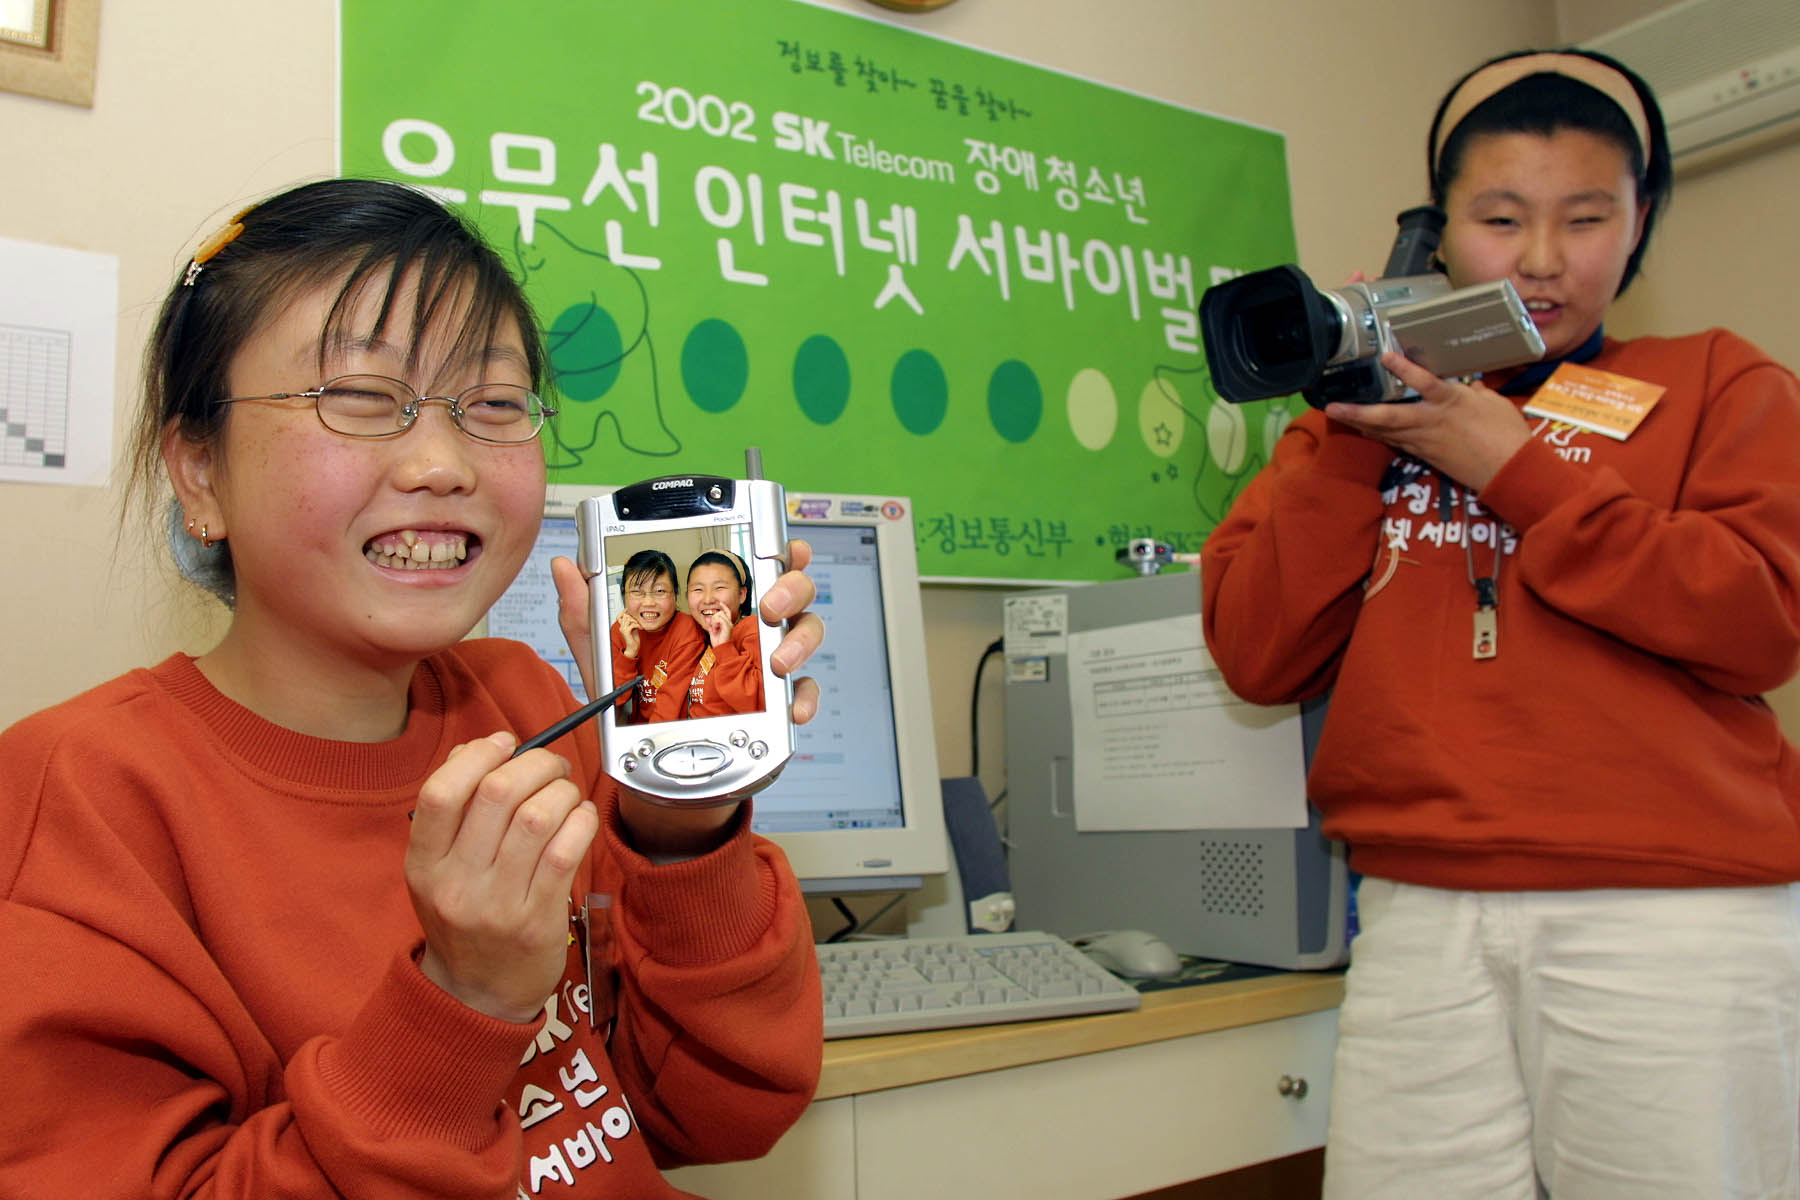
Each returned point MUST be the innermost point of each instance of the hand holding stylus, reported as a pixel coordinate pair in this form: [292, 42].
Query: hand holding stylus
[494, 846]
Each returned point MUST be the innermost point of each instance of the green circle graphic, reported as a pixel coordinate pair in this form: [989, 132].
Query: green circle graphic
[821, 379]
[715, 367]
[1093, 408]
[585, 351]
[1015, 401]
[921, 394]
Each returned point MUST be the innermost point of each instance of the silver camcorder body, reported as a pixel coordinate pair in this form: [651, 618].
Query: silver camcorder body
[1272, 333]
[1447, 331]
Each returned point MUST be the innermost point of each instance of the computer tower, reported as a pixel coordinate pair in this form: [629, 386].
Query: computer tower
[1271, 897]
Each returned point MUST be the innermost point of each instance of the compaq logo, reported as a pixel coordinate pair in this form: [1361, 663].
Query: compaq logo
[663, 484]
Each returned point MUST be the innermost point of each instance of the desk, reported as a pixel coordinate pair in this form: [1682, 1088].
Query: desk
[1082, 1108]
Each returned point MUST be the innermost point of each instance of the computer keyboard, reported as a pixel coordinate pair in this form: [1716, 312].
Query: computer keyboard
[904, 984]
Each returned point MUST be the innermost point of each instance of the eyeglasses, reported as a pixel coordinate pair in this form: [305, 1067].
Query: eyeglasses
[657, 593]
[374, 406]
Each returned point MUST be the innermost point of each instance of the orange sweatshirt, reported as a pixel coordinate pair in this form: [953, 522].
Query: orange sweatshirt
[664, 655]
[728, 678]
[211, 986]
[1649, 590]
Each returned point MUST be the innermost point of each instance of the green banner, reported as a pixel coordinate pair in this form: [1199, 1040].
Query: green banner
[896, 265]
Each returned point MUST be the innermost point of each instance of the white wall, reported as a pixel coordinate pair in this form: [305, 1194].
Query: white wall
[204, 104]
[199, 104]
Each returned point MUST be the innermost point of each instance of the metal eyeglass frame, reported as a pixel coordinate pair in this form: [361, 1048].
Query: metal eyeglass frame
[409, 412]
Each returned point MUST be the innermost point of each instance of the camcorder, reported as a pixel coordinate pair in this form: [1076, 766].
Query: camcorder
[1272, 333]
[691, 760]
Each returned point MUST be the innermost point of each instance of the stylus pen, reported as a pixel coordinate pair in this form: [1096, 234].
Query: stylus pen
[571, 721]
[590, 709]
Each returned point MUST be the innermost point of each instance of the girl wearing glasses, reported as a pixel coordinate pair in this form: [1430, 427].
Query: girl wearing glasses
[287, 918]
[652, 639]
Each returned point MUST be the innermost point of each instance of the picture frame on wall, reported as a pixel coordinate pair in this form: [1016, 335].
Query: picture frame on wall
[48, 48]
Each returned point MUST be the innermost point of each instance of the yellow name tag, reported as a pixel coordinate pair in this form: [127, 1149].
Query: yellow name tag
[1595, 400]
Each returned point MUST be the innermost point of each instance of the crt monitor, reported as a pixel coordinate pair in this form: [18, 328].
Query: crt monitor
[858, 807]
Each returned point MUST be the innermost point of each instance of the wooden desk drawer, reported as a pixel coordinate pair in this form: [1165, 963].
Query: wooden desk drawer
[1102, 1125]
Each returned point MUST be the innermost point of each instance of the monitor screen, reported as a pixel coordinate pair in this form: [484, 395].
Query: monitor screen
[858, 807]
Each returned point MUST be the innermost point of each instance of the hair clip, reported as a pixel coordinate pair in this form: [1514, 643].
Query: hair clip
[209, 249]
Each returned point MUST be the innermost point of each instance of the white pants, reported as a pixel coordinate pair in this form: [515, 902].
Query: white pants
[1584, 1045]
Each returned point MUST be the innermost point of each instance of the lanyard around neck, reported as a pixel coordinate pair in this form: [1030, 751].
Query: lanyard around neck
[1532, 377]
[1486, 643]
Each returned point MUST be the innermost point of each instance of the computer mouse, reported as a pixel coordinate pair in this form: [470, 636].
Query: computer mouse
[1130, 952]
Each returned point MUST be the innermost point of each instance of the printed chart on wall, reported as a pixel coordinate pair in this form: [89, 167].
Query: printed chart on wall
[894, 264]
[58, 315]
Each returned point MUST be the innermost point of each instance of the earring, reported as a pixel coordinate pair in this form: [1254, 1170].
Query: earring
[205, 541]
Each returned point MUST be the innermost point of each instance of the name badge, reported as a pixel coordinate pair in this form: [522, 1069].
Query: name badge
[1597, 401]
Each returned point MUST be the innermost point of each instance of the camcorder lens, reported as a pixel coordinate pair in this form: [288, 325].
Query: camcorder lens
[1272, 333]
[1269, 333]
[1277, 332]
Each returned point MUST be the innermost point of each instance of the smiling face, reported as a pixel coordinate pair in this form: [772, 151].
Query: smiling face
[368, 552]
[1558, 215]
[713, 590]
[650, 597]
